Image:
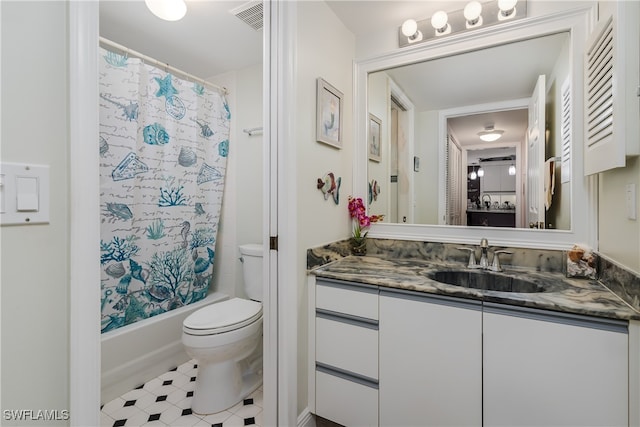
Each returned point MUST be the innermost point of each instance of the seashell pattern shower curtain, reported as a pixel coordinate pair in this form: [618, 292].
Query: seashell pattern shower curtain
[163, 151]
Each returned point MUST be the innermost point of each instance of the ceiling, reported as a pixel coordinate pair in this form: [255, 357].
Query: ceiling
[210, 41]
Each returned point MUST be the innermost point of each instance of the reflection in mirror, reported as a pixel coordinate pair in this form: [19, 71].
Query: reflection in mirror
[433, 114]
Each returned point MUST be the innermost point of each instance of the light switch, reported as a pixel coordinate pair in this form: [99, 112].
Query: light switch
[630, 195]
[26, 194]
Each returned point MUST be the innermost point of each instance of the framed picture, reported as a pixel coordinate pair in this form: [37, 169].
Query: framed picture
[375, 133]
[329, 114]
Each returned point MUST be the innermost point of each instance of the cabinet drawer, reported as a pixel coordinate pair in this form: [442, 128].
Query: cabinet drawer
[346, 402]
[347, 346]
[347, 298]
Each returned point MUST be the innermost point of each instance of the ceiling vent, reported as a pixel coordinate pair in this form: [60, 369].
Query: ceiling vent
[250, 13]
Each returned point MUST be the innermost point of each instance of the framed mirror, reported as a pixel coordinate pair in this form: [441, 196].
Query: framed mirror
[437, 126]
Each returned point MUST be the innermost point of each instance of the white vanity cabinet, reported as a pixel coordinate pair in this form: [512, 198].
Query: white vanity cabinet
[346, 352]
[552, 369]
[430, 360]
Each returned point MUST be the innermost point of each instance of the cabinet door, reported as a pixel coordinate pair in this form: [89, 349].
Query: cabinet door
[553, 370]
[430, 361]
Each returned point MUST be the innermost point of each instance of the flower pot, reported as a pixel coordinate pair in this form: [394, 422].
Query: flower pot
[358, 247]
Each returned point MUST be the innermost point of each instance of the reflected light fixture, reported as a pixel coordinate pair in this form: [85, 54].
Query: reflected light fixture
[169, 10]
[473, 175]
[410, 30]
[490, 134]
[512, 170]
[507, 9]
[473, 14]
[440, 22]
[480, 172]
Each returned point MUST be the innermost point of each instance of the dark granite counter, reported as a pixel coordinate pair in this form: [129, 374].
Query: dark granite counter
[492, 211]
[568, 295]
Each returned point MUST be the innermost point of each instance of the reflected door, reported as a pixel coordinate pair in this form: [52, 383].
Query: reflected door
[535, 156]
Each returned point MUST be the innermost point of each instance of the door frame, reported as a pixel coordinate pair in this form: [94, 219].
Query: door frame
[84, 324]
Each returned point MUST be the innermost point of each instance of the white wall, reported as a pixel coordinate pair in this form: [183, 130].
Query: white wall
[241, 219]
[35, 259]
[379, 104]
[325, 48]
[426, 181]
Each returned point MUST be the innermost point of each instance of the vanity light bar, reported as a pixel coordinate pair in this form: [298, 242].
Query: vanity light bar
[490, 15]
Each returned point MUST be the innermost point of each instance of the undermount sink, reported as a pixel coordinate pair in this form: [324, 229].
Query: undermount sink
[485, 280]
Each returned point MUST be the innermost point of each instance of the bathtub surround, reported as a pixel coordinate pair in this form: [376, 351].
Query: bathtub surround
[164, 143]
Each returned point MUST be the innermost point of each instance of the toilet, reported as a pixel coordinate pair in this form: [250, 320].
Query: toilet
[225, 338]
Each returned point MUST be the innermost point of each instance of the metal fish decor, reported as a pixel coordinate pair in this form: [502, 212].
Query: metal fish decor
[330, 186]
[374, 190]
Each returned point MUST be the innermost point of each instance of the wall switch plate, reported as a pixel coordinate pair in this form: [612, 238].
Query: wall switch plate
[630, 196]
[24, 194]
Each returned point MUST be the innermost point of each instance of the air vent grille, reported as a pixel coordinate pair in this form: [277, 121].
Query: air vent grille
[599, 82]
[251, 14]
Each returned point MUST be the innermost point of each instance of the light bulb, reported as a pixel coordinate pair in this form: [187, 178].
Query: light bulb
[473, 175]
[472, 13]
[507, 9]
[409, 27]
[512, 170]
[481, 172]
[410, 30]
[439, 22]
[169, 10]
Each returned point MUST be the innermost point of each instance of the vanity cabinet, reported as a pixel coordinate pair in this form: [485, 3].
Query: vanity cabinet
[551, 369]
[393, 357]
[430, 360]
[346, 368]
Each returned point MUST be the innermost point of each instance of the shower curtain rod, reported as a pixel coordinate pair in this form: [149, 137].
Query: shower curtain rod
[165, 66]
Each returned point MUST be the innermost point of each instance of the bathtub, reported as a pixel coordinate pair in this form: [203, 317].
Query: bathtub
[136, 353]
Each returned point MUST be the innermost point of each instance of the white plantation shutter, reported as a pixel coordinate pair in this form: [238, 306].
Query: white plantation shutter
[611, 81]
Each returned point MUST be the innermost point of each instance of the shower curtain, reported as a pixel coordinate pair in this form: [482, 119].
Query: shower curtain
[163, 149]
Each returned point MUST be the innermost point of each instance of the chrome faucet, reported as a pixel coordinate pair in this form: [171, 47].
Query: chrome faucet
[484, 247]
[484, 258]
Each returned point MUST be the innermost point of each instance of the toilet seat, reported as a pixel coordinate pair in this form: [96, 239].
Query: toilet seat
[222, 317]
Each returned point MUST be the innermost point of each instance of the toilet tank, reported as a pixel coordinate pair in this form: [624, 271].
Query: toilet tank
[251, 256]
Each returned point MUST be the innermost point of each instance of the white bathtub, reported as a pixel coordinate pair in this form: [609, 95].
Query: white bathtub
[136, 353]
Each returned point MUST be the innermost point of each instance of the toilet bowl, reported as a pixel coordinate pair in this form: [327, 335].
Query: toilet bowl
[225, 339]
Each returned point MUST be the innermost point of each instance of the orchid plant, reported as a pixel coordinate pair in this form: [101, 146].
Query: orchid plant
[362, 221]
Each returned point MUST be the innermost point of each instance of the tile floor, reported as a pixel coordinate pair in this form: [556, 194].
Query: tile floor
[166, 401]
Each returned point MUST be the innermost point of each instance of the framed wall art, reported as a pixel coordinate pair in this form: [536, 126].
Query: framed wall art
[329, 114]
[374, 138]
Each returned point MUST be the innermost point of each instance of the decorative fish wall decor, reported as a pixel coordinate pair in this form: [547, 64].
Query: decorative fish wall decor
[330, 186]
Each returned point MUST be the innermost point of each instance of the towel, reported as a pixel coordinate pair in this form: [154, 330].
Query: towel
[549, 181]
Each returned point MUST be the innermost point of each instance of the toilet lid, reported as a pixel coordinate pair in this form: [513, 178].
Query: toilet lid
[223, 316]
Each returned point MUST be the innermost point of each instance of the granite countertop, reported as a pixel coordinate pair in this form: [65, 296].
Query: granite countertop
[500, 211]
[568, 295]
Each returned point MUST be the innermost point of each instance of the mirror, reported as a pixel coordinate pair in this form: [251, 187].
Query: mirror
[421, 177]
[464, 95]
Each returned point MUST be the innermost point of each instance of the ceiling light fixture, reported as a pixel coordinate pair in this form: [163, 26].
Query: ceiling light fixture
[490, 134]
[480, 172]
[476, 14]
[169, 10]
[512, 170]
[410, 30]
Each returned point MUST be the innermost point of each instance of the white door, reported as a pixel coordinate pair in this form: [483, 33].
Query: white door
[535, 155]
